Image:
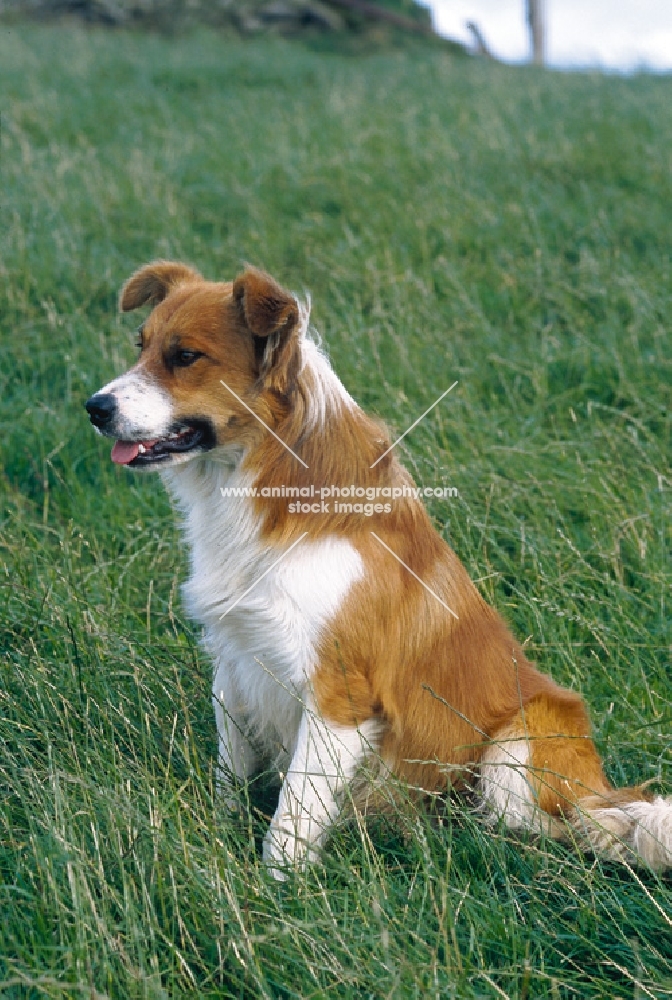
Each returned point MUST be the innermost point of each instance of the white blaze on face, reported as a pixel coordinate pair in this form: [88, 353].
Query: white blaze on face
[144, 409]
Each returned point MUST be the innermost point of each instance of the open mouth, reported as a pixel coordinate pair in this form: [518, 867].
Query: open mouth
[195, 435]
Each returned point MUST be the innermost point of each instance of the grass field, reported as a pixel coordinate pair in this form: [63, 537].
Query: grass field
[453, 220]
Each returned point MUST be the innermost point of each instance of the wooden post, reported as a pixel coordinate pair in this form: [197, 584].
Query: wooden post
[480, 44]
[535, 20]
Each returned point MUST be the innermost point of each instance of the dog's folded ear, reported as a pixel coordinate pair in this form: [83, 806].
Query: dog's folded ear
[152, 282]
[265, 307]
[271, 314]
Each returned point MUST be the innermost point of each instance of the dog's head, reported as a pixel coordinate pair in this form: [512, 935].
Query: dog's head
[214, 357]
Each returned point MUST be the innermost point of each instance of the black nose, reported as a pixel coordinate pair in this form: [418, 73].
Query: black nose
[101, 409]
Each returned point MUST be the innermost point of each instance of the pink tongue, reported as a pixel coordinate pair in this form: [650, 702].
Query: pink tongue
[125, 451]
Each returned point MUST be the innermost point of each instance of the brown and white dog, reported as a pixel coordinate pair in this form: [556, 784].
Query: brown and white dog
[338, 636]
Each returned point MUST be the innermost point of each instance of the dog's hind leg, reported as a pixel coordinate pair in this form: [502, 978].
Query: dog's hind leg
[541, 771]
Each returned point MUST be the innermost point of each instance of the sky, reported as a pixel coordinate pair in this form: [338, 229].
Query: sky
[620, 35]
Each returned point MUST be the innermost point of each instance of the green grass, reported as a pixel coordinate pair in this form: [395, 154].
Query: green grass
[453, 220]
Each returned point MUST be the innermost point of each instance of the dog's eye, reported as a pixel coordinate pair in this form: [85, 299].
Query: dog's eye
[185, 358]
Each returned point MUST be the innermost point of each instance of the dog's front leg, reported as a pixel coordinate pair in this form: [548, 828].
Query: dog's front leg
[325, 760]
[237, 757]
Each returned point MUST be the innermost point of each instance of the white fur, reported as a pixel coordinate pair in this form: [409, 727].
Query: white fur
[265, 612]
[267, 640]
[644, 828]
[325, 761]
[263, 624]
[637, 828]
[505, 792]
[328, 395]
[144, 409]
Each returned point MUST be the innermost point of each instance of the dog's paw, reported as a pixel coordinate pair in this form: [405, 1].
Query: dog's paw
[284, 850]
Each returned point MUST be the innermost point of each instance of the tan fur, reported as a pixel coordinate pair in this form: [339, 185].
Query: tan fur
[443, 688]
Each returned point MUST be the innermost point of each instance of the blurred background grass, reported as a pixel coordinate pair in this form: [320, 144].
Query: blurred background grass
[453, 219]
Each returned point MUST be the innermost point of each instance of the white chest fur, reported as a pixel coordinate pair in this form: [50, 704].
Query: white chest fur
[265, 610]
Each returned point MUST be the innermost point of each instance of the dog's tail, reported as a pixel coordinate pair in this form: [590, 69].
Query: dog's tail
[626, 825]
[541, 771]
